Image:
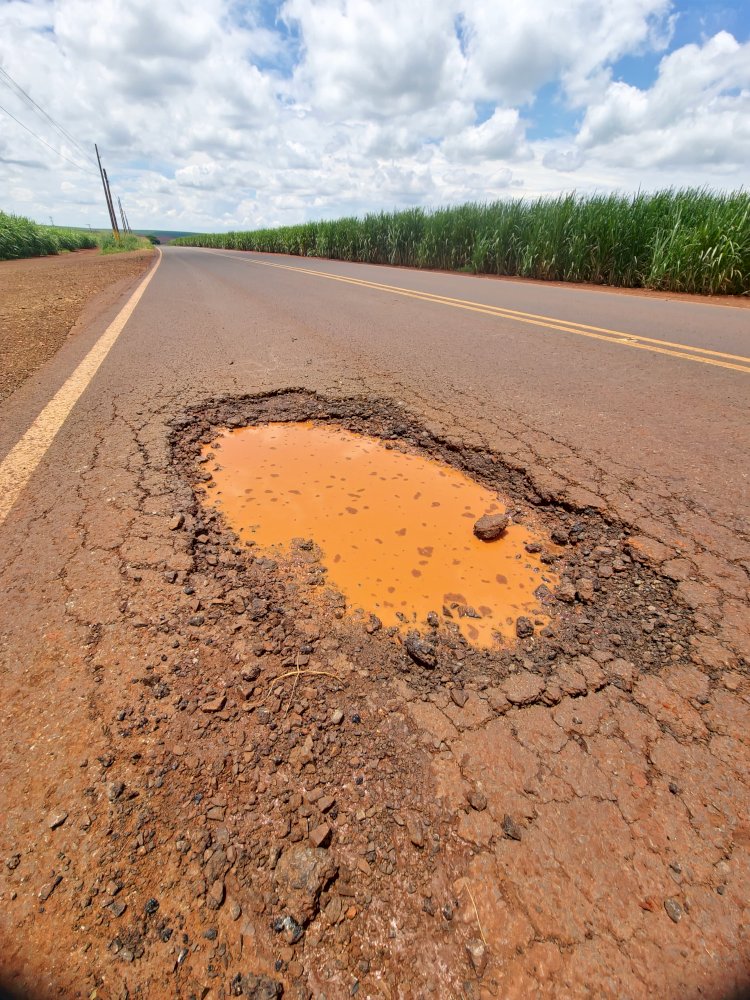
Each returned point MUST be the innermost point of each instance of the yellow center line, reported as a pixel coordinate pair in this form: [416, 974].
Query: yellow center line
[19, 465]
[656, 346]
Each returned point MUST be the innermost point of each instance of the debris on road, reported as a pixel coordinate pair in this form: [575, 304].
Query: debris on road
[492, 526]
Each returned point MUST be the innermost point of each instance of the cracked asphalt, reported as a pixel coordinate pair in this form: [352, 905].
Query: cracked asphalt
[573, 830]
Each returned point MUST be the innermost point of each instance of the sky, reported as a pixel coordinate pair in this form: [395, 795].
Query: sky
[214, 115]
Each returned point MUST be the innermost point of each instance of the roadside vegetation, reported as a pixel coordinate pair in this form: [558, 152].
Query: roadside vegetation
[20, 237]
[689, 240]
[127, 241]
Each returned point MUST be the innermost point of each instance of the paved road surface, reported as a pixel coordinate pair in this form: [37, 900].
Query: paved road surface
[631, 385]
[637, 406]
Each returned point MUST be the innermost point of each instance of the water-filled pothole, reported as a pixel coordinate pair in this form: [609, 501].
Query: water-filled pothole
[395, 528]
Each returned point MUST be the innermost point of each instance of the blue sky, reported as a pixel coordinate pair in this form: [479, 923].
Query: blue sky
[231, 114]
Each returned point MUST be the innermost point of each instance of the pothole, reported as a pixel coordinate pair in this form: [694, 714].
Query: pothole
[605, 601]
[395, 529]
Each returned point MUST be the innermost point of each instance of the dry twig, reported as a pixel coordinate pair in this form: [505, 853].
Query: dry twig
[476, 913]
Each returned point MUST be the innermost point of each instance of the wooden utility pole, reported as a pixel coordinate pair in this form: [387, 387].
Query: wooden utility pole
[122, 215]
[107, 195]
[112, 204]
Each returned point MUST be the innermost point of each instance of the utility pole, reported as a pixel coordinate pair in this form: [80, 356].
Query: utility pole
[107, 196]
[112, 205]
[122, 215]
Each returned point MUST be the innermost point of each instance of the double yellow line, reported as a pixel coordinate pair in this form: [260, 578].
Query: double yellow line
[735, 362]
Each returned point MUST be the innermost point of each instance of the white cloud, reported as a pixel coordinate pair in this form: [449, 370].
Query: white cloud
[211, 115]
[564, 160]
[697, 112]
[499, 138]
[376, 58]
[516, 48]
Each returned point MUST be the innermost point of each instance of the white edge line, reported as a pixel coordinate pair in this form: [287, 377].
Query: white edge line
[21, 462]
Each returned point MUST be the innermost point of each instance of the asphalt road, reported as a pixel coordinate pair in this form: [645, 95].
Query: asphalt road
[634, 405]
[631, 386]
[617, 401]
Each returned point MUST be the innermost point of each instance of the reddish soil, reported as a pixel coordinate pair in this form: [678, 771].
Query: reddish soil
[43, 300]
[290, 801]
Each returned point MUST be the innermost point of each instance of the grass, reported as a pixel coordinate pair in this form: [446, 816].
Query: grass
[127, 242]
[20, 237]
[690, 240]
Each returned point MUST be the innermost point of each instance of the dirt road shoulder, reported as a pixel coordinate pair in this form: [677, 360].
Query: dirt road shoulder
[45, 300]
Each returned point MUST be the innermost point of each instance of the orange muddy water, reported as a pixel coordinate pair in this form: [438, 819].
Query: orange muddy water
[395, 529]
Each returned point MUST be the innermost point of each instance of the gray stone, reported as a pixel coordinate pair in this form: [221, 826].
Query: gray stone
[289, 927]
[524, 627]
[255, 987]
[115, 790]
[420, 651]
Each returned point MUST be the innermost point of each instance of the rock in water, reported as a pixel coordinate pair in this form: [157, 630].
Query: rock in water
[491, 526]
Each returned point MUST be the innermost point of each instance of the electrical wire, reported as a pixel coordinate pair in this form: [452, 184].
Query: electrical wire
[44, 141]
[15, 87]
[9, 82]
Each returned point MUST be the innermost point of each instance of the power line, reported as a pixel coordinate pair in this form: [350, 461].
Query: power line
[44, 141]
[9, 82]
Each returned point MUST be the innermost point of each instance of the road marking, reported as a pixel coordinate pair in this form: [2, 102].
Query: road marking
[19, 464]
[669, 348]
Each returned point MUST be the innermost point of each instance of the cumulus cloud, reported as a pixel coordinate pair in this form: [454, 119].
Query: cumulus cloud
[376, 58]
[564, 160]
[516, 48]
[697, 112]
[219, 114]
[500, 137]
